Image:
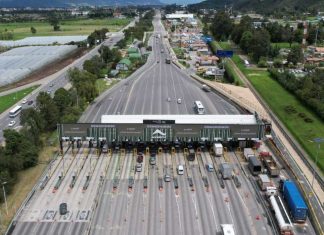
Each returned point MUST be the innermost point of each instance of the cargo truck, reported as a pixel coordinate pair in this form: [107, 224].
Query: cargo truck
[226, 170]
[296, 204]
[254, 165]
[218, 149]
[227, 229]
[270, 164]
[248, 152]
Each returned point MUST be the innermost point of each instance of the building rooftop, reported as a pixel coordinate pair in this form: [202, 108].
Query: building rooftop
[183, 119]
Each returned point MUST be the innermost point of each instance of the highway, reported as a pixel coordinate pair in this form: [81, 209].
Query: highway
[147, 90]
[186, 210]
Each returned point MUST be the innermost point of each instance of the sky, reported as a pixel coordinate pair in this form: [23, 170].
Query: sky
[180, 1]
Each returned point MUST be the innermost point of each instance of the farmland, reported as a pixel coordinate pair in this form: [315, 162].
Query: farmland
[67, 27]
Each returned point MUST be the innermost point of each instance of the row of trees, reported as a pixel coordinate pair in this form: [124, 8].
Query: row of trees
[310, 90]
[257, 41]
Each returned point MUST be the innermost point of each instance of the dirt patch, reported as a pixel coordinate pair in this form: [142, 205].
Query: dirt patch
[48, 69]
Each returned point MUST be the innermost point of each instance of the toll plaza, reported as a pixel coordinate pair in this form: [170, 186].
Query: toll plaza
[140, 129]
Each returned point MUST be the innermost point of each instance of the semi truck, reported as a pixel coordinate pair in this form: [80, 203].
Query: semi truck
[218, 149]
[281, 215]
[226, 170]
[270, 164]
[254, 165]
[296, 204]
[248, 152]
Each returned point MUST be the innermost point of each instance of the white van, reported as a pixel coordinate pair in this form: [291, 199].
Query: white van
[180, 170]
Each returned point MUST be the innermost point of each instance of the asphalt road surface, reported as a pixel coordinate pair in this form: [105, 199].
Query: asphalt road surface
[147, 90]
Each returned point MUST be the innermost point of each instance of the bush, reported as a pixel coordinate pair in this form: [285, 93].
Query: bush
[262, 63]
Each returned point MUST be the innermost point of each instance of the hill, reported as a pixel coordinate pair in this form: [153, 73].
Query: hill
[263, 5]
[69, 3]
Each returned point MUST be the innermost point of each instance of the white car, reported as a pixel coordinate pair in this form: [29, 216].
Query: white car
[24, 101]
[179, 101]
[12, 123]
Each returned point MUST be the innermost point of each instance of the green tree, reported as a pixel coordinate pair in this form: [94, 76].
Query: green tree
[48, 110]
[295, 55]
[221, 26]
[62, 99]
[85, 84]
[245, 41]
[238, 31]
[54, 21]
[259, 44]
[94, 65]
[33, 30]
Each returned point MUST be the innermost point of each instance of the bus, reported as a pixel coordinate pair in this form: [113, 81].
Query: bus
[199, 107]
[15, 111]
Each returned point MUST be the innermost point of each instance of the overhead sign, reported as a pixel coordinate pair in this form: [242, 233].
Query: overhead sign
[158, 121]
[224, 53]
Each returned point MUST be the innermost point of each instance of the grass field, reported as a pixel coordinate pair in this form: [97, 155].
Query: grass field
[7, 101]
[278, 99]
[283, 44]
[68, 27]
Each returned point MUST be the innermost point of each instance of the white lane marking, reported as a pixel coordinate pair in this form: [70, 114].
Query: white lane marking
[179, 213]
[196, 212]
[212, 208]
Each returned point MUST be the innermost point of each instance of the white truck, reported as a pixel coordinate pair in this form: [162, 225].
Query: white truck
[218, 149]
[227, 229]
[248, 152]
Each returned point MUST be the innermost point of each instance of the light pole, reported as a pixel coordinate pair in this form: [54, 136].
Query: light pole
[5, 198]
[318, 141]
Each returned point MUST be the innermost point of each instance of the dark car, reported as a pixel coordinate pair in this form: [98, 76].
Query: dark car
[63, 208]
[30, 102]
[140, 158]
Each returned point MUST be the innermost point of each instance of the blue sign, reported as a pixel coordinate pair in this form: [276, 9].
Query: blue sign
[206, 38]
[224, 53]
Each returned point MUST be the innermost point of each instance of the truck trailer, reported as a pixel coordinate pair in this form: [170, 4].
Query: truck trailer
[218, 149]
[248, 152]
[254, 165]
[270, 164]
[296, 204]
[226, 170]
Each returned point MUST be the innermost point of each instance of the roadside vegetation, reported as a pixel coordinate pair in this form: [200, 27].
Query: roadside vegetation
[298, 103]
[303, 123]
[9, 100]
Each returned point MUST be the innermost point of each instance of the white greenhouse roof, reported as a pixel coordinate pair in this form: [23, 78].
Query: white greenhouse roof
[182, 119]
[17, 63]
[46, 40]
[179, 16]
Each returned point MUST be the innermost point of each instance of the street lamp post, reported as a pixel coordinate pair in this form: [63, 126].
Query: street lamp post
[4, 195]
[318, 141]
